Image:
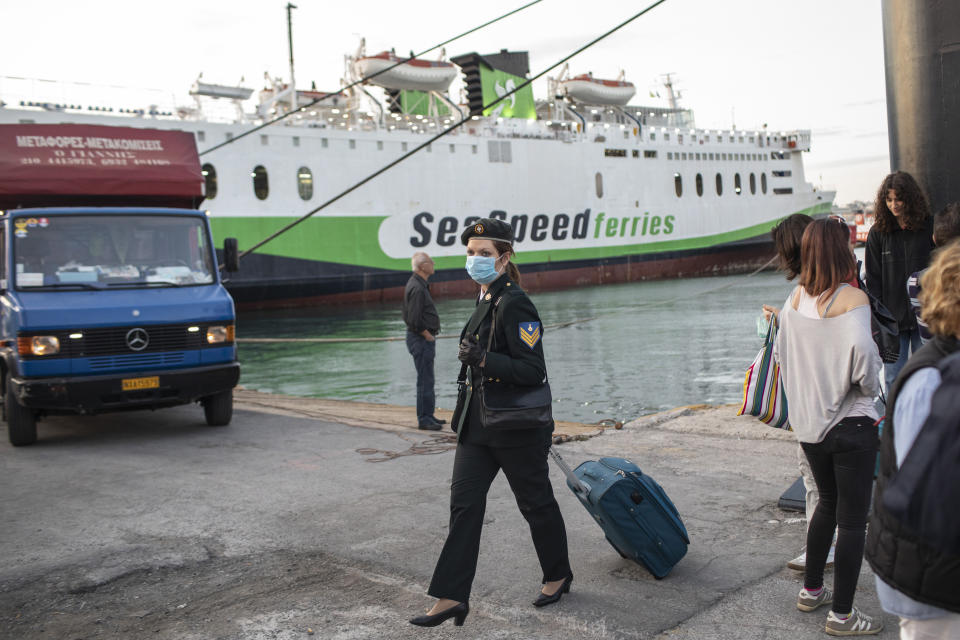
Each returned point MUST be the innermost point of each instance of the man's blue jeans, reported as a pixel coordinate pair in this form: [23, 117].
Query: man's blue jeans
[424, 352]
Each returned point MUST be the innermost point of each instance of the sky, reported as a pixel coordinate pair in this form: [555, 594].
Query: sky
[815, 64]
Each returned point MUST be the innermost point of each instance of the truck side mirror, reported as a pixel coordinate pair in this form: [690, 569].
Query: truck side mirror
[231, 255]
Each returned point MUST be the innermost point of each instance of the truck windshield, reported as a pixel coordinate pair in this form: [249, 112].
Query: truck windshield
[60, 253]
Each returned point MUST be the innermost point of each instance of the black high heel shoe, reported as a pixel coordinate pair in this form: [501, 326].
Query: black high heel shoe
[458, 612]
[543, 599]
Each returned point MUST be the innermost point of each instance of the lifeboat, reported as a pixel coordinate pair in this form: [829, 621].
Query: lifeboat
[586, 88]
[420, 75]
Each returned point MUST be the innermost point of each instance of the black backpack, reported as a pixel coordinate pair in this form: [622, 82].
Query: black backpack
[924, 493]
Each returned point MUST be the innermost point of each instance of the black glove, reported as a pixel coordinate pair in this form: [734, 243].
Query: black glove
[471, 353]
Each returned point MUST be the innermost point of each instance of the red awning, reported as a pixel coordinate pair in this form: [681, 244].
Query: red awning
[73, 165]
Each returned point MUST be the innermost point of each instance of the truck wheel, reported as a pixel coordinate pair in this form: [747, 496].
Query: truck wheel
[218, 408]
[21, 421]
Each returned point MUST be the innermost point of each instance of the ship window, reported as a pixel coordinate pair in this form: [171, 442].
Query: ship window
[453, 149]
[741, 139]
[753, 184]
[666, 136]
[731, 138]
[680, 139]
[209, 181]
[615, 153]
[296, 141]
[305, 183]
[678, 184]
[201, 136]
[653, 136]
[429, 148]
[403, 146]
[669, 155]
[648, 153]
[499, 151]
[750, 139]
[264, 140]
[473, 148]
[783, 191]
[698, 156]
[711, 156]
[699, 185]
[684, 156]
[763, 182]
[782, 174]
[736, 183]
[636, 153]
[353, 144]
[379, 145]
[599, 180]
[324, 142]
[261, 188]
[229, 135]
[719, 185]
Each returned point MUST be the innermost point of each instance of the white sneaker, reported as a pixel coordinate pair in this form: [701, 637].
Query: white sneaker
[800, 562]
[857, 624]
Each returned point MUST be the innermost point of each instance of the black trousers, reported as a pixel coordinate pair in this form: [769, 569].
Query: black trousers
[842, 465]
[474, 468]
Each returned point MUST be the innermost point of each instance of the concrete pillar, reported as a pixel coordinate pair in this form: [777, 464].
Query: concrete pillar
[921, 44]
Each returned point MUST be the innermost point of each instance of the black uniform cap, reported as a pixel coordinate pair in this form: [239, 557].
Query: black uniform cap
[489, 229]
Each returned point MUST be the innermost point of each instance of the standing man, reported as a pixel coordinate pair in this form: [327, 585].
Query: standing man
[423, 324]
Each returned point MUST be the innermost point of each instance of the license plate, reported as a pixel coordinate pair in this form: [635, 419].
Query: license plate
[133, 384]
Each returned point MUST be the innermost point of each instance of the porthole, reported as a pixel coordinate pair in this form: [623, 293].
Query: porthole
[678, 184]
[261, 187]
[599, 181]
[305, 183]
[763, 182]
[736, 183]
[753, 184]
[209, 181]
[719, 185]
[699, 185]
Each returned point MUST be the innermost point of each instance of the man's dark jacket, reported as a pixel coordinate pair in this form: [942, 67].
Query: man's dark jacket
[897, 554]
[891, 258]
[419, 312]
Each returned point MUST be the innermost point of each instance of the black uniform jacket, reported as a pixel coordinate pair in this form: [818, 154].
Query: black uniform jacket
[515, 356]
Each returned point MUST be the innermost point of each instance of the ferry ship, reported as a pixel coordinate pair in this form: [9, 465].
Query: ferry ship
[597, 190]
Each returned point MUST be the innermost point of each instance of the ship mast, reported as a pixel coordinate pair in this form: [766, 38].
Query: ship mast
[293, 85]
[671, 96]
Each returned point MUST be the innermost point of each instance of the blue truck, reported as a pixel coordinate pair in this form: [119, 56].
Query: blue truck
[114, 303]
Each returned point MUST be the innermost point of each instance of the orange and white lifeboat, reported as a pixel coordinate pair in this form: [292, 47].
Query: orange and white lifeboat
[421, 75]
[586, 88]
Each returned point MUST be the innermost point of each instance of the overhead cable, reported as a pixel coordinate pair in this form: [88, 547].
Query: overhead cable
[366, 78]
[441, 134]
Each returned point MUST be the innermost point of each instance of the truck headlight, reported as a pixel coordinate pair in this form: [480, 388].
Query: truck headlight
[38, 345]
[220, 334]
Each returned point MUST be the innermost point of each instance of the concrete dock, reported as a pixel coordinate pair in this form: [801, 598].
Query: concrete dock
[313, 518]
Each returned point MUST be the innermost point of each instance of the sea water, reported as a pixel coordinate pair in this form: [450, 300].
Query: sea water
[634, 349]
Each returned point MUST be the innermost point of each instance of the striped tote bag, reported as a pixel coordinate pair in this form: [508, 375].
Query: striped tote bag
[763, 394]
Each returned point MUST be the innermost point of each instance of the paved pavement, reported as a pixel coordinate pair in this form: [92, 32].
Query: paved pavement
[154, 525]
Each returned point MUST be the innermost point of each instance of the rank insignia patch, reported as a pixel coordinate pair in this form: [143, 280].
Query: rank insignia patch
[530, 333]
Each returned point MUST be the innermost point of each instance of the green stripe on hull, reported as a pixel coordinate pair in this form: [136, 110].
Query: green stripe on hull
[354, 241]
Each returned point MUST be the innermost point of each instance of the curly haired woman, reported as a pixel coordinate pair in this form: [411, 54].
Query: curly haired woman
[899, 244]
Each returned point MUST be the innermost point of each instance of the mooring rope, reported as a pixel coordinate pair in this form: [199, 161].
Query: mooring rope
[558, 325]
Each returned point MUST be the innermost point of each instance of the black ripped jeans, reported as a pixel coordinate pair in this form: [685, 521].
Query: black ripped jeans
[842, 465]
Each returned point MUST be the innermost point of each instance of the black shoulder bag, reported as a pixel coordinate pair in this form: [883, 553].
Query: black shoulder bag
[883, 326]
[505, 406]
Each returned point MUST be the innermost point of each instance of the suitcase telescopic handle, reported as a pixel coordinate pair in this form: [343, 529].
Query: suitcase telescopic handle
[578, 486]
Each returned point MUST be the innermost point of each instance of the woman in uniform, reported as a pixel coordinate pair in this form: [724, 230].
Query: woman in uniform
[515, 356]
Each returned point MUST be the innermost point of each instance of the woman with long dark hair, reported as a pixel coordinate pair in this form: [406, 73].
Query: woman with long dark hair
[514, 357]
[899, 244]
[830, 368]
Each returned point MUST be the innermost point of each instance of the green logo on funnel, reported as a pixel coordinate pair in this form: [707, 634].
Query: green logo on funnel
[495, 83]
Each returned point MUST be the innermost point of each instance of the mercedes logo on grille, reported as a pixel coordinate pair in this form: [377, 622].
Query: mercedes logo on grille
[138, 339]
